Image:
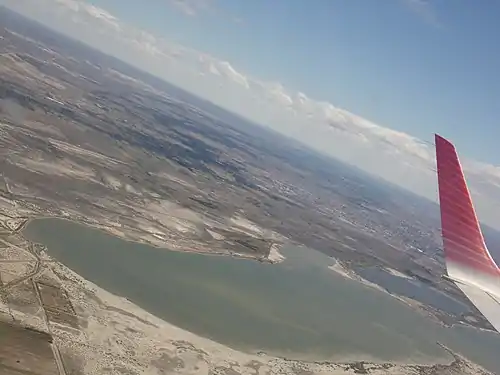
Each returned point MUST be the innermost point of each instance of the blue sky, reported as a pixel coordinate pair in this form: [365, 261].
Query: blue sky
[418, 68]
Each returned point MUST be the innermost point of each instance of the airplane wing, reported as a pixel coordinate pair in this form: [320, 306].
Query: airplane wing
[486, 303]
[468, 261]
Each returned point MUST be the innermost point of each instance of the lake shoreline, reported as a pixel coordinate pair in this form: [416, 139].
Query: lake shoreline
[174, 333]
[274, 257]
[77, 285]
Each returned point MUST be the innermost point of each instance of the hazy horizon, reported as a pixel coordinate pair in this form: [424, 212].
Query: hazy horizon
[391, 154]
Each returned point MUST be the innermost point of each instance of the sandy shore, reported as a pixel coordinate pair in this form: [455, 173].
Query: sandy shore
[275, 256]
[397, 273]
[118, 337]
[344, 271]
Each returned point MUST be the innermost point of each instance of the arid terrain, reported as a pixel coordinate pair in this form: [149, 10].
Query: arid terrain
[89, 138]
[54, 322]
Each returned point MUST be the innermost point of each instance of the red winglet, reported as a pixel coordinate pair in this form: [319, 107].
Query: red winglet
[462, 238]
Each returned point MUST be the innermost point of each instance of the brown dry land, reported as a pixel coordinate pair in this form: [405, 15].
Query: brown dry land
[24, 351]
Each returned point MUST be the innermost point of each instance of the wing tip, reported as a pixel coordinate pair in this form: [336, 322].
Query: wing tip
[461, 232]
[442, 142]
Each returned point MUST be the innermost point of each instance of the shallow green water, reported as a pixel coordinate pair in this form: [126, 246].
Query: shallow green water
[297, 308]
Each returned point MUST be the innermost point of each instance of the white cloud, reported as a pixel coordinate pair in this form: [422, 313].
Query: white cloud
[224, 68]
[100, 13]
[74, 5]
[396, 156]
[191, 7]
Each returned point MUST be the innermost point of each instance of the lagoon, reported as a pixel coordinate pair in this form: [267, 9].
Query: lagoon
[298, 308]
